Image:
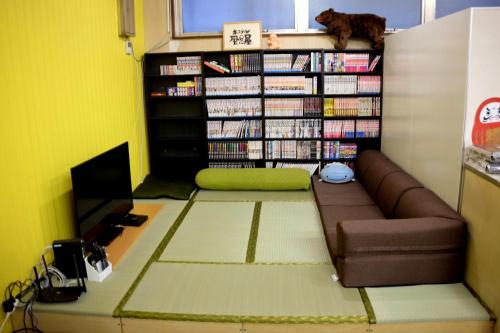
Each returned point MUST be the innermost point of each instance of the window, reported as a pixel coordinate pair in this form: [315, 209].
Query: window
[399, 14]
[446, 7]
[206, 17]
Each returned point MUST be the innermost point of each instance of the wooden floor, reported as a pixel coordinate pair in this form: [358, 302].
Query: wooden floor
[68, 323]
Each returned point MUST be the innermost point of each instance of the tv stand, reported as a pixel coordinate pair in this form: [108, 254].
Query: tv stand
[133, 220]
[108, 235]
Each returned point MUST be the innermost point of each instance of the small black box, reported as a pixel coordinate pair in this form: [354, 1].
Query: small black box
[65, 253]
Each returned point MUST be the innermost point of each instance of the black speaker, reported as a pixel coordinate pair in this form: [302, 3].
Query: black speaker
[65, 253]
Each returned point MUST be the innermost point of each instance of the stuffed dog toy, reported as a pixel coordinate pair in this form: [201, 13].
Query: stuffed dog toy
[345, 25]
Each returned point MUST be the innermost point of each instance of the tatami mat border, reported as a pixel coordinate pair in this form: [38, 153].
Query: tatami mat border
[254, 232]
[368, 306]
[247, 319]
[155, 256]
[251, 200]
[480, 300]
[241, 263]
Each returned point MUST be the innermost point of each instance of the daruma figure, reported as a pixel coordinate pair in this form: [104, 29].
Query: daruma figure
[486, 128]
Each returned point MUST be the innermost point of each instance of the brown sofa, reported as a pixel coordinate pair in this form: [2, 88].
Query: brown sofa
[387, 229]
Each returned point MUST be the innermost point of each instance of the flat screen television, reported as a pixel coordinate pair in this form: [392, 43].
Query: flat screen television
[102, 193]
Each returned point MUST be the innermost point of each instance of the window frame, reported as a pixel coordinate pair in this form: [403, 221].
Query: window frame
[427, 14]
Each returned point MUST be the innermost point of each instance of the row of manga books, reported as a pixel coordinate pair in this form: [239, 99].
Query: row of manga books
[233, 129]
[185, 65]
[235, 150]
[245, 63]
[351, 107]
[337, 129]
[286, 62]
[223, 86]
[334, 150]
[293, 128]
[182, 88]
[367, 128]
[346, 62]
[293, 149]
[290, 85]
[232, 165]
[296, 107]
[239, 107]
[352, 84]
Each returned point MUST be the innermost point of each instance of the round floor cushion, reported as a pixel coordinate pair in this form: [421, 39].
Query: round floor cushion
[266, 179]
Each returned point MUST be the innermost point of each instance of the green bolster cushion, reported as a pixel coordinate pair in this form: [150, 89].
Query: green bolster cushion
[265, 179]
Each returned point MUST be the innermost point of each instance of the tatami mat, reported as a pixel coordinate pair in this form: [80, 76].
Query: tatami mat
[253, 293]
[212, 232]
[290, 232]
[423, 303]
[208, 195]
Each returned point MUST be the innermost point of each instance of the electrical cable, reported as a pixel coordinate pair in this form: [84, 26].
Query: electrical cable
[52, 270]
[27, 329]
[7, 316]
[27, 294]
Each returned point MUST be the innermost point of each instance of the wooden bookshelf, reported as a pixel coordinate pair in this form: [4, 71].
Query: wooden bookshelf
[291, 101]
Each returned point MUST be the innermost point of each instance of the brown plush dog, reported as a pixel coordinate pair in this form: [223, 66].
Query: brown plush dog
[356, 25]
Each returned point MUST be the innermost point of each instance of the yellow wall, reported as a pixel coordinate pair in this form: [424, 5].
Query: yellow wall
[481, 210]
[67, 93]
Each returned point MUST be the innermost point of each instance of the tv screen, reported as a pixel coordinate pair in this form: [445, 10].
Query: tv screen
[102, 192]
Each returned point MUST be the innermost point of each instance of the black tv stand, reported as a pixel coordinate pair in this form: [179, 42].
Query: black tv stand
[133, 220]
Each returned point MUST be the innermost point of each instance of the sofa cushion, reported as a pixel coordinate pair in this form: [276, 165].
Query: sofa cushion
[400, 269]
[365, 159]
[265, 179]
[392, 188]
[427, 234]
[348, 194]
[332, 215]
[420, 202]
[375, 174]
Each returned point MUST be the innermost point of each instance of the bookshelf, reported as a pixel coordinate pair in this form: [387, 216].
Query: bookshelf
[261, 108]
[176, 122]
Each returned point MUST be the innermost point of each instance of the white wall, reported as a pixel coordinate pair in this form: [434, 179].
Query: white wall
[484, 66]
[425, 76]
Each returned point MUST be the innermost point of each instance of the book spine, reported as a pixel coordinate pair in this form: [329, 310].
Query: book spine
[212, 66]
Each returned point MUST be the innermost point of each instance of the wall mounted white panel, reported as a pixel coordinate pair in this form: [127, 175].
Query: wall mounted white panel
[425, 76]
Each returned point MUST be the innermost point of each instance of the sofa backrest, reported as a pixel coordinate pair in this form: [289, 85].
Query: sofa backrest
[372, 167]
[396, 193]
[421, 202]
[392, 188]
[365, 159]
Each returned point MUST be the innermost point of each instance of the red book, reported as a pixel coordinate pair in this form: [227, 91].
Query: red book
[212, 66]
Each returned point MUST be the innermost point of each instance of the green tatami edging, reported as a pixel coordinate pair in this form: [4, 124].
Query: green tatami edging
[247, 319]
[254, 232]
[155, 256]
[368, 306]
[244, 293]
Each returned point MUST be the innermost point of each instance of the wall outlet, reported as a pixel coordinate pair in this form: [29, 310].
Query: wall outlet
[128, 47]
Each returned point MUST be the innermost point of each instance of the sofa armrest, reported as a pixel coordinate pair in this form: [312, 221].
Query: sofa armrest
[427, 234]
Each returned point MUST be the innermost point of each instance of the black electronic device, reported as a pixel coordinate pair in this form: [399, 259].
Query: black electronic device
[133, 220]
[102, 193]
[53, 294]
[65, 253]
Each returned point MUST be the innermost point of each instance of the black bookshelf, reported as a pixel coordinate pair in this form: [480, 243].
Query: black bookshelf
[177, 119]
